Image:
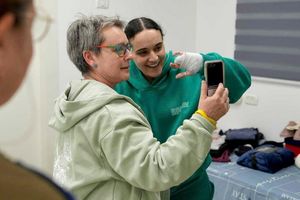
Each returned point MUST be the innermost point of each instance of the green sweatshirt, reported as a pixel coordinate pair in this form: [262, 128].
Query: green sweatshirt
[106, 149]
[167, 101]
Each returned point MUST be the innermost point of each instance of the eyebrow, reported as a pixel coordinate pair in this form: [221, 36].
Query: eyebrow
[143, 49]
[111, 45]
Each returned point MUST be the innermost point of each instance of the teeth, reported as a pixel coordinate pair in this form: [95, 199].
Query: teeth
[154, 65]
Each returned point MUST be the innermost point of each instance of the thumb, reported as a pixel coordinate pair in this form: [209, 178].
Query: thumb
[203, 89]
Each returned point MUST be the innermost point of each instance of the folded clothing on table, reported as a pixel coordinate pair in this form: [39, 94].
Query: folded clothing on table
[267, 158]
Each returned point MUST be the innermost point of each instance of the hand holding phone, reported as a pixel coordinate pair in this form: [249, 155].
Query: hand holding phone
[214, 74]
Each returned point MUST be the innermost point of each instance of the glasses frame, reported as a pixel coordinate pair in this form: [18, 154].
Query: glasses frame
[119, 49]
[44, 17]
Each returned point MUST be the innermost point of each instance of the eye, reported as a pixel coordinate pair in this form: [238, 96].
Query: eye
[142, 52]
[158, 47]
[119, 48]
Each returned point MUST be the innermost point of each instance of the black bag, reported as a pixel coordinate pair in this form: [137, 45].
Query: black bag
[238, 137]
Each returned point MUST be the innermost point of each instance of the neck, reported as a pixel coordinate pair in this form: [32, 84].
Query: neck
[149, 79]
[99, 78]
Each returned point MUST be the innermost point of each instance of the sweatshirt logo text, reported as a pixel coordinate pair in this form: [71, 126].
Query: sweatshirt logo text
[177, 110]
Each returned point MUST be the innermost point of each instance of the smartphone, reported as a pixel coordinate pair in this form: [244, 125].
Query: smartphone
[214, 74]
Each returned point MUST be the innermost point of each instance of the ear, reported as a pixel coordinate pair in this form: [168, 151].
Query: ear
[6, 24]
[89, 58]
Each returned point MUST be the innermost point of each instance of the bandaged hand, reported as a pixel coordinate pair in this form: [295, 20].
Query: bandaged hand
[191, 62]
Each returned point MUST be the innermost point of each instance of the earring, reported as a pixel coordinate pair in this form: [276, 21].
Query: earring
[94, 65]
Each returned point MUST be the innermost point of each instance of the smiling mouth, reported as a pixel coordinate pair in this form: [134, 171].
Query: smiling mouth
[153, 65]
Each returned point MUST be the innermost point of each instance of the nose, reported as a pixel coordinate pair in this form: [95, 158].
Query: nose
[153, 56]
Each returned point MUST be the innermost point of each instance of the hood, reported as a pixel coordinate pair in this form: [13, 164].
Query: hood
[80, 99]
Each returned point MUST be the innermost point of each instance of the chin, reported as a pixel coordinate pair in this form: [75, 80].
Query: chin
[126, 77]
[156, 72]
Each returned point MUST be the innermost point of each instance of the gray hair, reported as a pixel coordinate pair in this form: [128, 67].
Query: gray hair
[85, 34]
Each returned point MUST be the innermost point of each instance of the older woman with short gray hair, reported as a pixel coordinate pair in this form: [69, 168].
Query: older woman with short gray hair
[89, 28]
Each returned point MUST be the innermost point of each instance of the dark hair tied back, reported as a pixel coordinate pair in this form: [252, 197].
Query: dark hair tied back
[139, 24]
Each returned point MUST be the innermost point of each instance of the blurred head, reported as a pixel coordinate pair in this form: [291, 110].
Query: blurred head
[146, 37]
[99, 48]
[16, 18]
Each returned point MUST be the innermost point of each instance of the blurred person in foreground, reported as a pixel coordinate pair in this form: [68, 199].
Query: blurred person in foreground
[16, 180]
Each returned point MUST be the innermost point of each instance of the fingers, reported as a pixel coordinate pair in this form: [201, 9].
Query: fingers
[183, 74]
[226, 99]
[203, 89]
[220, 89]
[216, 105]
[188, 73]
[180, 75]
[227, 103]
[174, 65]
[225, 95]
[222, 94]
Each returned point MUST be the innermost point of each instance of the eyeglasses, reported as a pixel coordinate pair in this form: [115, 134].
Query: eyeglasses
[41, 24]
[119, 49]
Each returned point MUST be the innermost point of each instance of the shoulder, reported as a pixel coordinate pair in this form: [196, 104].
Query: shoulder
[123, 109]
[98, 89]
[38, 186]
[122, 86]
[170, 57]
[211, 56]
[123, 104]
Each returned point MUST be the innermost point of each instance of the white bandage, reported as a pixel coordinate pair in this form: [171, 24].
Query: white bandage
[192, 62]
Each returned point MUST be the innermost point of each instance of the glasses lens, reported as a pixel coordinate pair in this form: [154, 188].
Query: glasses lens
[120, 49]
[128, 47]
[41, 24]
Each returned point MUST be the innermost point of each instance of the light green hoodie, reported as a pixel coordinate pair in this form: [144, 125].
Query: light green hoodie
[106, 149]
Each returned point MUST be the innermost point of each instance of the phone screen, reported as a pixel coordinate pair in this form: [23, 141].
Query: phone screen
[214, 73]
